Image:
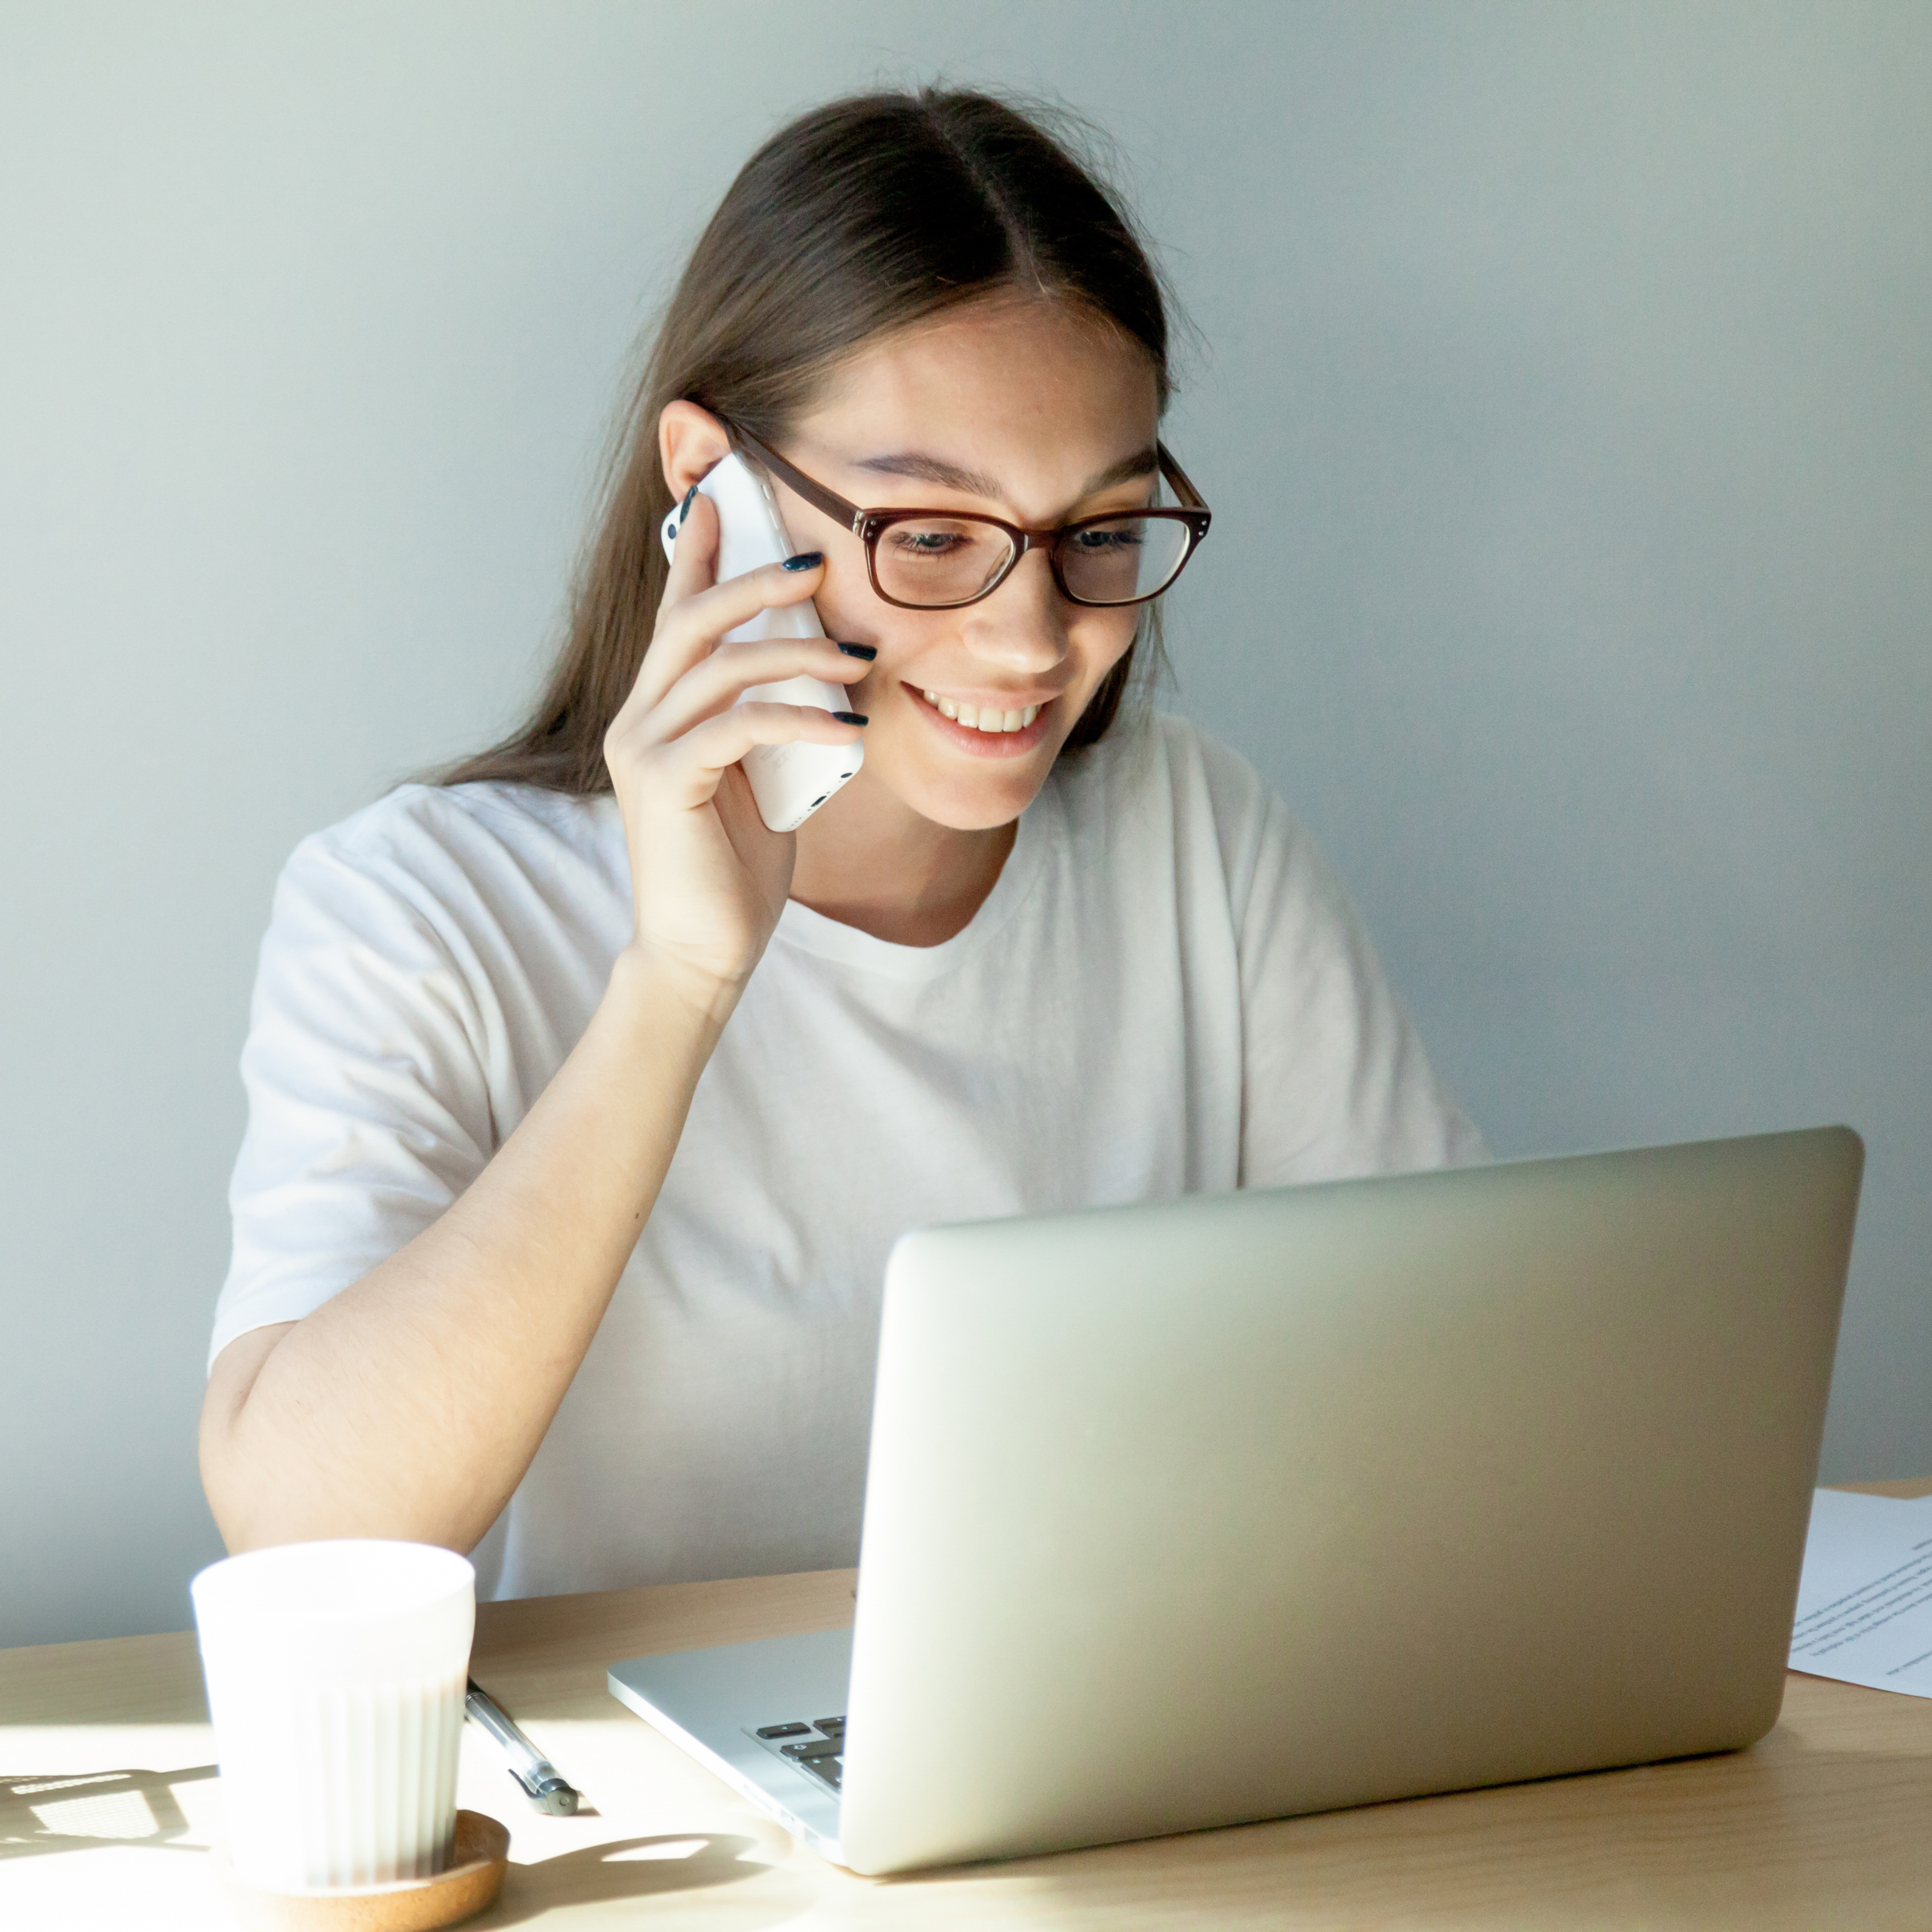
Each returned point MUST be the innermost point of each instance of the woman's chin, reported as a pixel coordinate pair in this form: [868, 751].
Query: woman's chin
[984, 794]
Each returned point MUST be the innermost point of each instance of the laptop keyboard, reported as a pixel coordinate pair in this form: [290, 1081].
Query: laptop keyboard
[818, 1747]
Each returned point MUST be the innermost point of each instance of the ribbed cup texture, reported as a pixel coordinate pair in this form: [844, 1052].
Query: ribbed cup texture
[347, 1784]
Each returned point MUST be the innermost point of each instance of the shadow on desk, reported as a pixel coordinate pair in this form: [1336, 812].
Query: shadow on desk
[137, 1808]
[83, 1812]
[625, 1869]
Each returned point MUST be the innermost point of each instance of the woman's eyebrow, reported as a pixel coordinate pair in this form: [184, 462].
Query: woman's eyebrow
[1129, 469]
[926, 468]
[930, 470]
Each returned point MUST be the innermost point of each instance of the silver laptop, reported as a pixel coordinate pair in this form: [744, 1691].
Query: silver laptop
[1243, 1506]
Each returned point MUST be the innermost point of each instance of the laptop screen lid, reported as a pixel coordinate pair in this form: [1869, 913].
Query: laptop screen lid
[1239, 1506]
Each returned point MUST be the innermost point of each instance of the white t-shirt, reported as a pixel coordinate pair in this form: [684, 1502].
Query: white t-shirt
[1166, 992]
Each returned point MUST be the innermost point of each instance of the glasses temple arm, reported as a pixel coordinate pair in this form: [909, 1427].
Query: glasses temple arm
[1192, 498]
[816, 494]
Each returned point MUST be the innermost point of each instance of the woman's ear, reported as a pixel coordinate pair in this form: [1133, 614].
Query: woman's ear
[691, 442]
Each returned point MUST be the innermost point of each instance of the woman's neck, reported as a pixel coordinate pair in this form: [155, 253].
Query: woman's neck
[866, 859]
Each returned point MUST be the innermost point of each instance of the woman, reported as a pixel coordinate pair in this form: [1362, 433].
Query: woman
[584, 1109]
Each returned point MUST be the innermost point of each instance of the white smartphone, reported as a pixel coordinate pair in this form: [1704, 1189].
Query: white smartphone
[790, 781]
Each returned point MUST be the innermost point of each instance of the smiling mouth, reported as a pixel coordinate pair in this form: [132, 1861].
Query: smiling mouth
[982, 718]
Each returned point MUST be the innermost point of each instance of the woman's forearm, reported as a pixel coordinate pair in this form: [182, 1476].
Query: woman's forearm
[411, 1404]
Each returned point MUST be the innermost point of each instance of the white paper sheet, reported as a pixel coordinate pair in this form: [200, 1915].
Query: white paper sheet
[1865, 1601]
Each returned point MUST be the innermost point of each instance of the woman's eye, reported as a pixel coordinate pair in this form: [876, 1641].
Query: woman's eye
[914, 543]
[1109, 540]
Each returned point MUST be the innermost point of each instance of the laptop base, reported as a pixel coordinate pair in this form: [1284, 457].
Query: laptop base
[712, 1703]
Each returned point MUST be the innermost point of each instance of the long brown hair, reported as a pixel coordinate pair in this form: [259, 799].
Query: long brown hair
[864, 215]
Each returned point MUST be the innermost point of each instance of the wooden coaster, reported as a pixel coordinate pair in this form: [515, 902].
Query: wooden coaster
[479, 1859]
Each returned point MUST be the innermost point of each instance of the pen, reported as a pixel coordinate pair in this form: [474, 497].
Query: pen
[535, 1776]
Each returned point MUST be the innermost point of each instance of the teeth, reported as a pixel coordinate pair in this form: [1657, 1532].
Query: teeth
[978, 719]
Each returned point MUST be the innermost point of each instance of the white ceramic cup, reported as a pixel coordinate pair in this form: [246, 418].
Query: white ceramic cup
[335, 1674]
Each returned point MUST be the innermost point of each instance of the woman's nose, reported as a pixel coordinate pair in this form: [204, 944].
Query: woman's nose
[1022, 627]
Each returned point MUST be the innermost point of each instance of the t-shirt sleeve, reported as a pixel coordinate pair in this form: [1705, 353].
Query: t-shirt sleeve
[364, 1068]
[1335, 1081]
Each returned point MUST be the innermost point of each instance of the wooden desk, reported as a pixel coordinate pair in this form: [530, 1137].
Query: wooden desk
[1827, 1822]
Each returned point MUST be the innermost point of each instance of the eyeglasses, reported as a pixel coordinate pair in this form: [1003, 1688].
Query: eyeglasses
[937, 560]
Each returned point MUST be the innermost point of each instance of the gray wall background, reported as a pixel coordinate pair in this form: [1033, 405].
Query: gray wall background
[1565, 408]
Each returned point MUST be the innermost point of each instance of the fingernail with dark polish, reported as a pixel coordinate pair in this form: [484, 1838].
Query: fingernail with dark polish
[851, 717]
[867, 651]
[806, 560]
[685, 508]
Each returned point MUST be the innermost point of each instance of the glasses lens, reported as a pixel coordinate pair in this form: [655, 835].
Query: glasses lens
[939, 560]
[1124, 558]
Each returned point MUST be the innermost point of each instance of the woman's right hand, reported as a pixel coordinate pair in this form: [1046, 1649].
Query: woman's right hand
[708, 879]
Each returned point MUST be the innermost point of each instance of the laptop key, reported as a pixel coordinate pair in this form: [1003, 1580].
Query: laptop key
[785, 1730]
[832, 1726]
[818, 1747]
[828, 1770]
